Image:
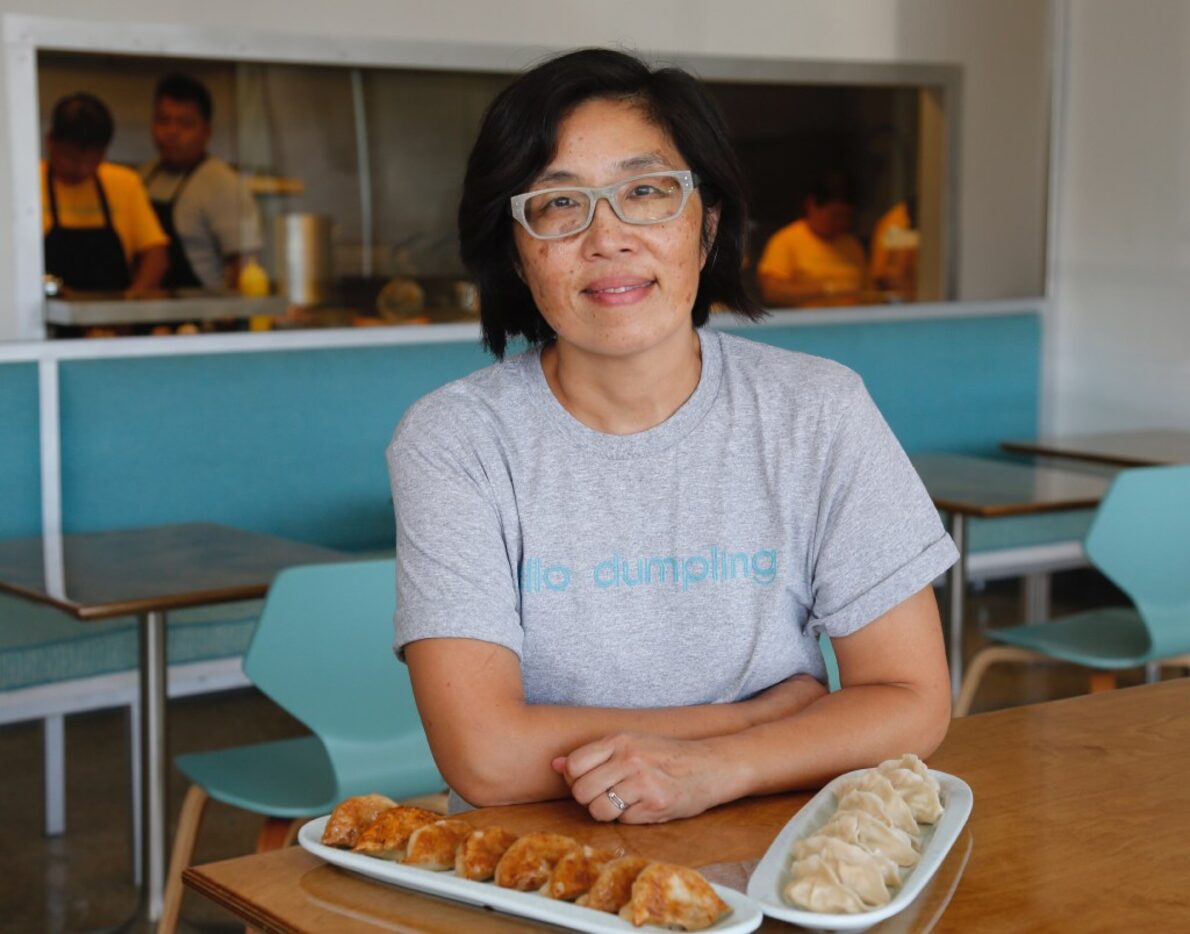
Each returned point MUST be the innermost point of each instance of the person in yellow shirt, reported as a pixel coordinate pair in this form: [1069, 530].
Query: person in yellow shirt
[894, 253]
[100, 232]
[816, 260]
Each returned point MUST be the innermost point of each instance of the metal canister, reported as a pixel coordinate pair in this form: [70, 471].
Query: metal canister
[304, 273]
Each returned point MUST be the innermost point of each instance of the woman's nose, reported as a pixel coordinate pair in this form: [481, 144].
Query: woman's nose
[607, 232]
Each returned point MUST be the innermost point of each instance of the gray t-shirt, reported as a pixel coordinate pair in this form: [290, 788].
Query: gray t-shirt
[696, 562]
[214, 214]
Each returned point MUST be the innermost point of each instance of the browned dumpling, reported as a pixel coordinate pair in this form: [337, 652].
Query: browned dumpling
[389, 834]
[433, 846]
[351, 817]
[673, 897]
[576, 872]
[527, 864]
[613, 886]
[478, 855]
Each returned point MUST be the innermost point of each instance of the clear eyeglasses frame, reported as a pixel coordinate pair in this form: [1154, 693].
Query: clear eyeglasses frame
[668, 208]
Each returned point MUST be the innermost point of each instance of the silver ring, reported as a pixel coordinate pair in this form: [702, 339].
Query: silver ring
[620, 803]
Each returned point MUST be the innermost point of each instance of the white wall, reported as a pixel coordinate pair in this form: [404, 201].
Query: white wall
[1000, 44]
[1120, 343]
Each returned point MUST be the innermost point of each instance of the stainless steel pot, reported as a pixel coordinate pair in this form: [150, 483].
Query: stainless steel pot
[303, 258]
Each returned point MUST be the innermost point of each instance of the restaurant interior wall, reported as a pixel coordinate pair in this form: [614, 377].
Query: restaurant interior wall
[1120, 350]
[1001, 48]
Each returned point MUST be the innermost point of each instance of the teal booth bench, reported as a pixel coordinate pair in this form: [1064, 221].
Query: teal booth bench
[291, 442]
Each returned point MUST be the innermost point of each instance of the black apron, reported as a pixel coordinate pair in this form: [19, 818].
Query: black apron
[86, 259]
[180, 274]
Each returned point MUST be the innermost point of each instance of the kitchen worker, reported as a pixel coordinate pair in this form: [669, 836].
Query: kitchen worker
[100, 232]
[200, 200]
[816, 260]
[894, 252]
[617, 549]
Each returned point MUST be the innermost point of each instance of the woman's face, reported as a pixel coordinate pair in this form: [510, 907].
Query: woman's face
[615, 289]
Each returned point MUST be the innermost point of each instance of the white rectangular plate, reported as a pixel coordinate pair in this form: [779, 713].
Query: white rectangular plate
[773, 871]
[745, 914]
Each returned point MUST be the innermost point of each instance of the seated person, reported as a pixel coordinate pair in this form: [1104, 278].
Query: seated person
[200, 200]
[617, 549]
[816, 260]
[100, 231]
[894, 253]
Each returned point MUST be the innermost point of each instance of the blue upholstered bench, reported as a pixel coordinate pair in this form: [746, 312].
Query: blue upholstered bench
[52, 665]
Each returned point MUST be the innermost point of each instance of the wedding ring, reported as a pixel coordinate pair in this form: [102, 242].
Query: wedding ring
[620, 803]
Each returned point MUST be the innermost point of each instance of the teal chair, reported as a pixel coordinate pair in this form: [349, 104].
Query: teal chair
[1139, 539]
[323, 652]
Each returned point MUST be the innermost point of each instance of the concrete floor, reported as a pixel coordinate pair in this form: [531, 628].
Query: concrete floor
[82, 880]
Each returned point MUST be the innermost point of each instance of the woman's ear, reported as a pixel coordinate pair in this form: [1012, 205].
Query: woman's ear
[710, 229]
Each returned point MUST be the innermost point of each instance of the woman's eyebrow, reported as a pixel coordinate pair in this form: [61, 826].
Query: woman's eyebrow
[648, 160]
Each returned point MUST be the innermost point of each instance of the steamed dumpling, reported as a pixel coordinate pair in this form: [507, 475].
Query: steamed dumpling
[816, 884]
[873, 835]
[885, 806]
[913, 764]
[848, 854]
[921, 794]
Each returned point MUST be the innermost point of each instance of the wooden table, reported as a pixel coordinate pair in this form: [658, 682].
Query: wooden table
[1081, 822]
[147, 572]
[1149, 448]
[983, 488]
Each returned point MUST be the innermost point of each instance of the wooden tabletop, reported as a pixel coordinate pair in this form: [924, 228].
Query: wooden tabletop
[1149, 448]
[1081, 822]
[985, 487]
[162, 567]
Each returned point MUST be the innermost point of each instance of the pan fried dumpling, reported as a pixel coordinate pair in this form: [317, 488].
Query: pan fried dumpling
[613, 887]
[873, 835]
[921, 794]
[433, 846]
[478, 855]
[389, 834]
[885, 806]
[351, 817]
[673, 897]
[527, 864]
[576, 872]
[815, 886]
[842, 852]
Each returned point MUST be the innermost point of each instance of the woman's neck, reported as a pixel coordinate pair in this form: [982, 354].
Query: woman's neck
[623, 395]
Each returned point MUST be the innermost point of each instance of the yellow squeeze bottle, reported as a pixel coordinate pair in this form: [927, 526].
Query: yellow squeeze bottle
[253, 282]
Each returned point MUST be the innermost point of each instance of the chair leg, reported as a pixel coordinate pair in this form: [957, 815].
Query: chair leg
[189, 822]
[133, 745]
[277, 832]
[53, 743]
[982, 661]
[1102, 681]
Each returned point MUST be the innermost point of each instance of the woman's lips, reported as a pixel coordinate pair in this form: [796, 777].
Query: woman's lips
[618, 291]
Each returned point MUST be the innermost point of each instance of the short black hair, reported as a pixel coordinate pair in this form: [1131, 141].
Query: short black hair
[832, 185]
[518, 137]
[82, 119]
[180, 87]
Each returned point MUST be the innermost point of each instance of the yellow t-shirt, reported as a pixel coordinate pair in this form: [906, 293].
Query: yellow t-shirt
[132, 215]
[796, 252]
[894, 252]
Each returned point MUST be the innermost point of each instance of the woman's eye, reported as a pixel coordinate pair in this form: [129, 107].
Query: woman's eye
[645, 191]
[560, 202]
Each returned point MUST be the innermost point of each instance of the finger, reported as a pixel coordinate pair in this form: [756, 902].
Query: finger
[607, 806]
[590, 786]
[587, 757]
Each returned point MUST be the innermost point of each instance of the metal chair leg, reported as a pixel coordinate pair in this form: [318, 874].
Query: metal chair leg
[54, 773]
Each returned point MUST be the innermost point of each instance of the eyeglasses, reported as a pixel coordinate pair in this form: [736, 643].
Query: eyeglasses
[552, 213]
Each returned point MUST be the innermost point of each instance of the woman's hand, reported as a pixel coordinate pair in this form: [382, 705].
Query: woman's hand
[657, 778]
[785, 698]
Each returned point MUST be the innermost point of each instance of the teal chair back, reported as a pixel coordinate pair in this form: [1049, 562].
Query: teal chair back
[323, 652]
[1140, 539]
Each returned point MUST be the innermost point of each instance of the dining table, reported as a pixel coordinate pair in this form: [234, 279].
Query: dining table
[147, 572]
[1081, 822]
[968, 487]
[1136, 448]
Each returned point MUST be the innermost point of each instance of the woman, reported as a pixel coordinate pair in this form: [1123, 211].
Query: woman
[616, 550]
